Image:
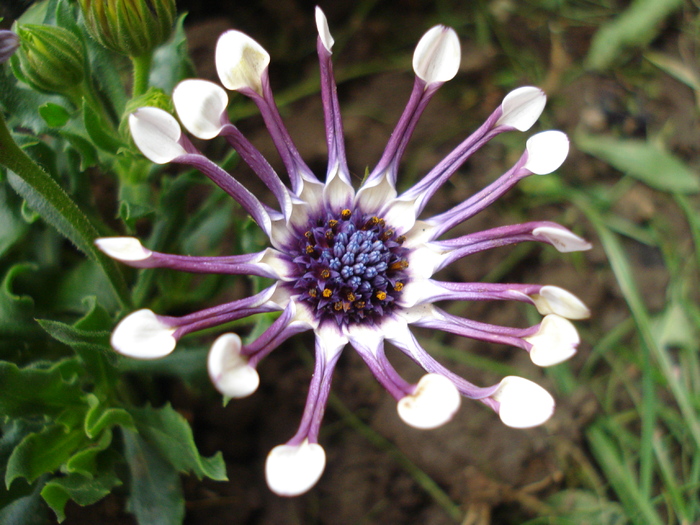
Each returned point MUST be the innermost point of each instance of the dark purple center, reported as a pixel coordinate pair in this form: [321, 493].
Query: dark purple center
[351, 267]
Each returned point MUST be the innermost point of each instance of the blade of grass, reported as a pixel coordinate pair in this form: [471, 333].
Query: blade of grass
[623, 273]
[637, 505]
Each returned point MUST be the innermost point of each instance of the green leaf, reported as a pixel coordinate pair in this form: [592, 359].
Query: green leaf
[156, 492]
[637, 26]
[581, 506]
[171, 61]
[25, 510]
[30, 392]
[84, 461]
[100, 417]
[16, 312]
[99, 131]
[81, 489]
[171, 434]
[54, 115]
[12, 226]
[87, 152]
[91, 345]
[642, 160]
[54, 205]
[43, 452]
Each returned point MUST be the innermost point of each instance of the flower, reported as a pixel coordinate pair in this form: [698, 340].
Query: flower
[354, 266]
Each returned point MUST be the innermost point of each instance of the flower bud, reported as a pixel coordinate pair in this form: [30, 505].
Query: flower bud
[129, 27]
[9, 42]
[51, 58]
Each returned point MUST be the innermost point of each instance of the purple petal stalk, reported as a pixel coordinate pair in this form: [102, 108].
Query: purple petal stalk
[355, 267]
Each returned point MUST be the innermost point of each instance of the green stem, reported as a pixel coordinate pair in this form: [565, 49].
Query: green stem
[142, 69]
[48, 199]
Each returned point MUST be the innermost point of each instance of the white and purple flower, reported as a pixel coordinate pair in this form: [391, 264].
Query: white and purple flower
[353, 266]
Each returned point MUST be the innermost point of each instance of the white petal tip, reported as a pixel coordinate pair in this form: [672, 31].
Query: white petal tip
[555, 341]
[324, 32]
[201, 105]
[143, 336]
[555, 300]
[433, 404]
[522, 107]
[291, 470]
[240, 61]
[562, 239]
[546, 151]
[523, 404]
[123, 248]
[156, 133]
[229, 370]
[437, 55]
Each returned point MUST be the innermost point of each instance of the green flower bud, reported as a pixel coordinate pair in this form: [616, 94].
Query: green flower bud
[129, 27]
[50, 58]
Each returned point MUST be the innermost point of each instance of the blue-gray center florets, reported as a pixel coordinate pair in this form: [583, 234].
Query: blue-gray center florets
[351, 267]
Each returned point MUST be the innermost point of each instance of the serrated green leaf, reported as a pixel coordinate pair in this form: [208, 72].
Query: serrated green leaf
[642, 160]
[171, 61]
[96, 318]
[67, 334]
[171, 434]
[636, 26]
[100, 417]
[29, 392]
[43, 452]
[92, 346]
[16, 312]
[156, 492]
[81, 489]
[84, 461]
[55, 115]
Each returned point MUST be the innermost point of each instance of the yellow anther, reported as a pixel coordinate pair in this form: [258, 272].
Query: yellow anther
[381, 295]
[327, 292]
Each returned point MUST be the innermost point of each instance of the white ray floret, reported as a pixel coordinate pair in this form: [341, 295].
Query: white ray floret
[291, 470]
[200, 104]
[546, 152]
[433, 404]
[523, 404]
[123, 248]
[437, 55]
[143, 336]
[555, 341]
[157, 134]
[229, 370]
[240, 61]
[522, 107]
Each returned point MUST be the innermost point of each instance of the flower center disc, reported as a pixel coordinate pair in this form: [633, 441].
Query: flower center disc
[352, 268]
